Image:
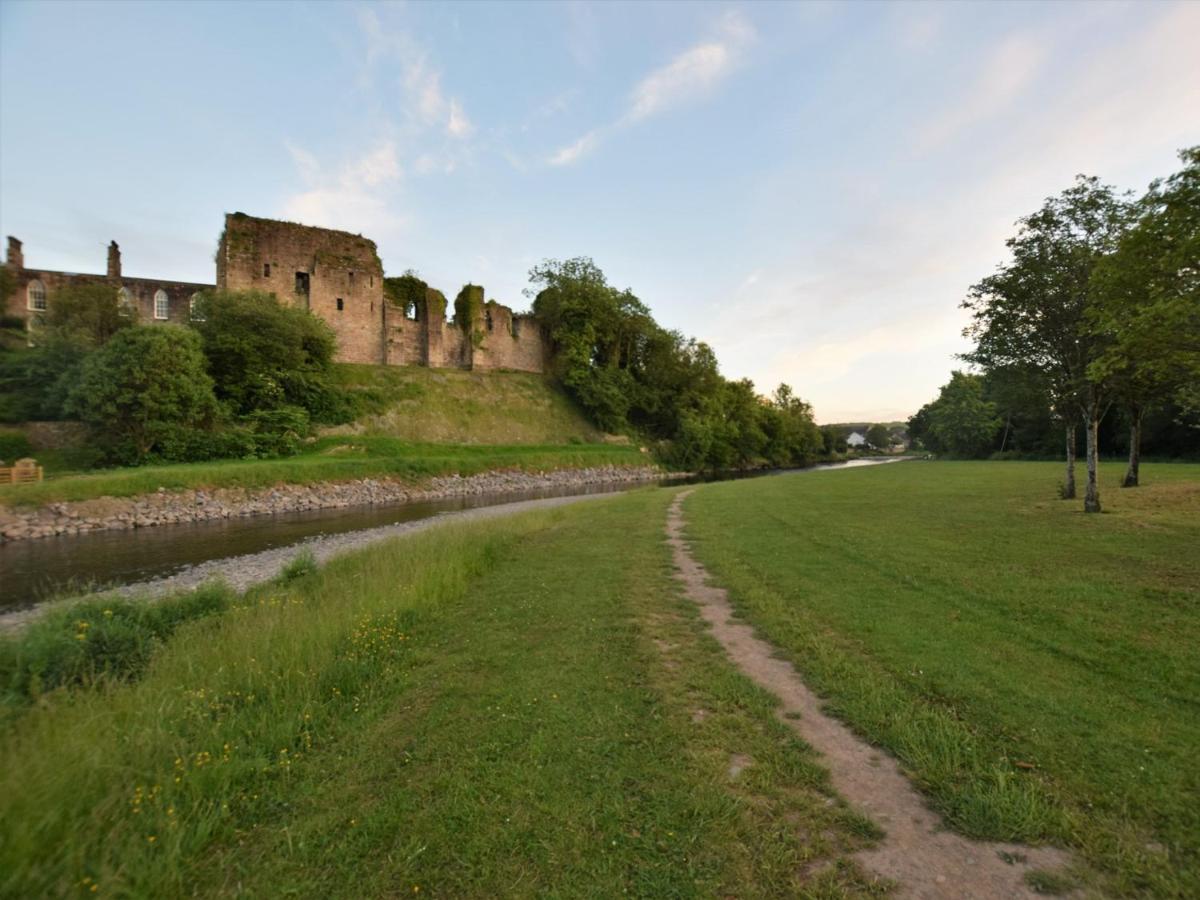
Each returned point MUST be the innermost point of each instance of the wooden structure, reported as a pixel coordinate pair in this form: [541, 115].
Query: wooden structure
[23, 471]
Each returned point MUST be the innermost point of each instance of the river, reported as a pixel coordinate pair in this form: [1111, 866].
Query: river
[36, 570]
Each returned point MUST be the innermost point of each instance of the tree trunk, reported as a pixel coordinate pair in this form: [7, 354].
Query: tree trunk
[1068, 490]
[1135, 447]
[1004, 440]
[1091, 499]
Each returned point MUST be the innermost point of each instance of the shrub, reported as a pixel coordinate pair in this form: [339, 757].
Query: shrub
[97, 639]
[263, 355]
[304, 563]
[142, 386]
[13, 445]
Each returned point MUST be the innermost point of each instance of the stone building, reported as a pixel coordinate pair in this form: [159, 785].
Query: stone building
[339, 277]
[154, 299]
[333, 274]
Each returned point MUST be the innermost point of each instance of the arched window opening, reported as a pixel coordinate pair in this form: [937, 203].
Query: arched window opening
[195, 308]
[36, 296]
[487, 318]
[162, 304]
[124, 302]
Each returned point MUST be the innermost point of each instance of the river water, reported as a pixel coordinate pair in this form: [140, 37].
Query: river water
[32, 571]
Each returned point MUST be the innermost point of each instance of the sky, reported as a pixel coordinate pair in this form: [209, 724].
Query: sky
[810, 188]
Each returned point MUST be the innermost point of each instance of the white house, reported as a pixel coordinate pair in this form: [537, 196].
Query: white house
[856, 440]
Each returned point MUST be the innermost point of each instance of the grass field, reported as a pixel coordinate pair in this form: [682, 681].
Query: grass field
[1034, 668]
[527, 706]
[425, 405]
[520, 708]
[334, 458]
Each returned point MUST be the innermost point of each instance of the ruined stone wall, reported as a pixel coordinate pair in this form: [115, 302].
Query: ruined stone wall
[510, 341]
[339, 277]
[138, 292]
[335, 274]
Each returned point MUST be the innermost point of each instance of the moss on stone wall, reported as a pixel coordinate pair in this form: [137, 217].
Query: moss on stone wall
[468, 312]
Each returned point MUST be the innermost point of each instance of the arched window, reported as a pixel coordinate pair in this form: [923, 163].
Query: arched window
[162, 305]
[124, 302]
[195, 308]
[36, 296]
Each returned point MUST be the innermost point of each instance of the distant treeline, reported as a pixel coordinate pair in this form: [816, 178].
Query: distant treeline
[1093, 325]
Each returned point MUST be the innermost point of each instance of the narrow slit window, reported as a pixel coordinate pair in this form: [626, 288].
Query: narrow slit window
[266, 270]
[340, 304]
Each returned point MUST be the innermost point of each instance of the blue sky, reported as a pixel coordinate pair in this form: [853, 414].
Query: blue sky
[810, 188]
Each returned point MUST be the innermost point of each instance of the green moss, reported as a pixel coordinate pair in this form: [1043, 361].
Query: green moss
[468, 312]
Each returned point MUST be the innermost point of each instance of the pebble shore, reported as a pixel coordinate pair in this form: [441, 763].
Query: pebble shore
[247, 570]
[175, 507]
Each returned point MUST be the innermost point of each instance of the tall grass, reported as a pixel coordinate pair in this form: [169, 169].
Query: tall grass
[505, 708]
[215, 726]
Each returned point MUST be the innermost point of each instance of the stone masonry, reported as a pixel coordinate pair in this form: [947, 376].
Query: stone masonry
[333, 274]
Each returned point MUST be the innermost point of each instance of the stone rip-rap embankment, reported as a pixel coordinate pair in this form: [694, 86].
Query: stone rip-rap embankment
[176, 507]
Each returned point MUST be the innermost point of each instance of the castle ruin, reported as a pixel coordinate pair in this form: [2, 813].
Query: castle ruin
[335, 275]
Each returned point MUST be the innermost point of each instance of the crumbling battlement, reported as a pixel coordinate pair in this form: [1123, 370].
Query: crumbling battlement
[335, 275]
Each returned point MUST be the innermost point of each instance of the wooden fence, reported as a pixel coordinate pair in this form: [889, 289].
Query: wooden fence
[23, 471]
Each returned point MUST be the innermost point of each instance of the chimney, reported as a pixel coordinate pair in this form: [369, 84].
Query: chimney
[15, 259]
[114, 260]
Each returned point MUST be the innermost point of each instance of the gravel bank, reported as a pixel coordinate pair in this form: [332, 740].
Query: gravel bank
[242, 572]
[172, 508]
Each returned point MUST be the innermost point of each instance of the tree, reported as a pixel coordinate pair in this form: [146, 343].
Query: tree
[879, 437]
[960, 421]
[35, 379]
[87, 314]
[1033, 312]
[142, 385]
[1147, 308]
[264, 355]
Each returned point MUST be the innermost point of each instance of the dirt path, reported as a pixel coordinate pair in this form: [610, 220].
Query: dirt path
[926, 861]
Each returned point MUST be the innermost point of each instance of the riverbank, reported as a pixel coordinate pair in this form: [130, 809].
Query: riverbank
[511, 707]
[240, 573]
[168, 507]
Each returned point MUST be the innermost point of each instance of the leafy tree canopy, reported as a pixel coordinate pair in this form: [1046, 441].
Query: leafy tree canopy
[142, 385]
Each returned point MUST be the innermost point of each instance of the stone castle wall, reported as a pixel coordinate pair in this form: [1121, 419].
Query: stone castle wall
[337, 276]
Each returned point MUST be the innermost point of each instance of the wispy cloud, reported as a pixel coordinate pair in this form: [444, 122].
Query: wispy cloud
[356, 195]
[570, 153]
[421, 81]
[687, 77]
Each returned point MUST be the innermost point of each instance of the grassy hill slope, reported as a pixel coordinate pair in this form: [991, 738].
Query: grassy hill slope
[451, 406]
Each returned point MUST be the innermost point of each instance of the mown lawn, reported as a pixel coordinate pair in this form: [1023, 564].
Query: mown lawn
[331, 458]
[1034, 668]
[515, 708]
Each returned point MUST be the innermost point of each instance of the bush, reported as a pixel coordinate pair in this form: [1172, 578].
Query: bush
[97, 639]
[263, 355]
[304, 563]
[179, 444]
[13, 445]
[141, 387]
[279, 431]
